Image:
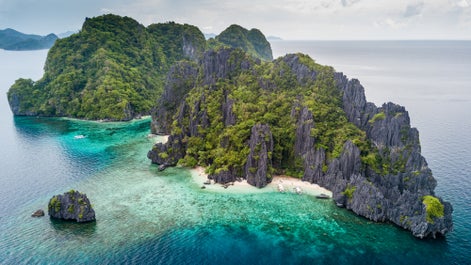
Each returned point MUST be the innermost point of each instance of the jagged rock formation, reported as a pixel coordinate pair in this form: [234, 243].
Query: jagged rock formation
[394, 192]
[180, 79]
[307, 120]
[258, 166]
[71, 205]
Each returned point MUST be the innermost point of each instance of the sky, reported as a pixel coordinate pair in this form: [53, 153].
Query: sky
[288, 19]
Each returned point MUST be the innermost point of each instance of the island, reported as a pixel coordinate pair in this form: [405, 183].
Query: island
[71, 206]
[231, 109]
[13, 40]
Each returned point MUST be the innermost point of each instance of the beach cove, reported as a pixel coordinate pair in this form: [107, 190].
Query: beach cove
[286, 183]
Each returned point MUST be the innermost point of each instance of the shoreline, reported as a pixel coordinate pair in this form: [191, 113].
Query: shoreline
[135, 119]
[289, 184]
[160, 138]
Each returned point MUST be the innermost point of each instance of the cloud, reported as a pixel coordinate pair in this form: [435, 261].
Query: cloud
[348, 2]
[106, 10]
[390, 23]
[290, 19]
[463, 3]
[414, 10]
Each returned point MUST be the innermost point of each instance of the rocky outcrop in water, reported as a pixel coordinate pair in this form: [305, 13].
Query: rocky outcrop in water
[38, 213]
[71, 205]
[394, 188]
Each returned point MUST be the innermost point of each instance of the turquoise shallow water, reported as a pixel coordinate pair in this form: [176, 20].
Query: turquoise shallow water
[144, 215]
[149, 217]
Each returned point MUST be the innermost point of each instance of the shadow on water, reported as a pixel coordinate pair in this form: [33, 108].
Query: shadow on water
[35, 127]
[66, 228]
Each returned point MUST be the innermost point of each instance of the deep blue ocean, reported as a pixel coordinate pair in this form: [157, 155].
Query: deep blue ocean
[149, 217]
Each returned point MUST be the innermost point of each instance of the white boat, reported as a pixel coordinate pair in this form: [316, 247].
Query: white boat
[80, 136]
[323, 196]
[298, 190]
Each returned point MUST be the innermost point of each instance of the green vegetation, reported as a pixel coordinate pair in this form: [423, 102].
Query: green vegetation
[382, 163]
[55, 204]
[251, 41]
[433, 208]
[379, 116]
[112, 69]
[82, 209]
[348, 192]
[70, 209]
[224, 148]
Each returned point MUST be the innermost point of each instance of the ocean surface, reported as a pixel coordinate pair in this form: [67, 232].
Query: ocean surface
[149, 217]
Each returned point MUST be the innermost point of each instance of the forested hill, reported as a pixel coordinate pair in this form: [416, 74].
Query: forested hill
[251, 41]
[112, 69]
[13, 40]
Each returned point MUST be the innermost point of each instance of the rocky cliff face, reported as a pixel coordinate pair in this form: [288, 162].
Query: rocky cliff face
[390, 181]
[213, 66]
[71, 205]
[179, 80]
[183, 76]
[258, 166]
[393, 190]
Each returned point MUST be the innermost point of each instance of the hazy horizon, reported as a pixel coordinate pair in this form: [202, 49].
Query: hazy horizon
[287, 19]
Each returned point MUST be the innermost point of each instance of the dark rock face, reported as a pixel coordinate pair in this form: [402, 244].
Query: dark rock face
[224, 177]
[180, 79]
[214, 65]
[392, 194]
[228, 117]
[71, 205]
[223, 64]
[15, 104]
[258, 166]
[302, 71]
[313, 159]
[174, 149]
[183, 76]
[168, 153]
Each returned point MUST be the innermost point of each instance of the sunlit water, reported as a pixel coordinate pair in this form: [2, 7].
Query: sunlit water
[146, 216]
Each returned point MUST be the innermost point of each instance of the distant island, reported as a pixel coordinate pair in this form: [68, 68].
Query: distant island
[229, 107]
[209, 35]
[274, 38]
[13, 40]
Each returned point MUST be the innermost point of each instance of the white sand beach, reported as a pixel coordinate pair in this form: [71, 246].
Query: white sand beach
[288, 183]
[158, 138]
